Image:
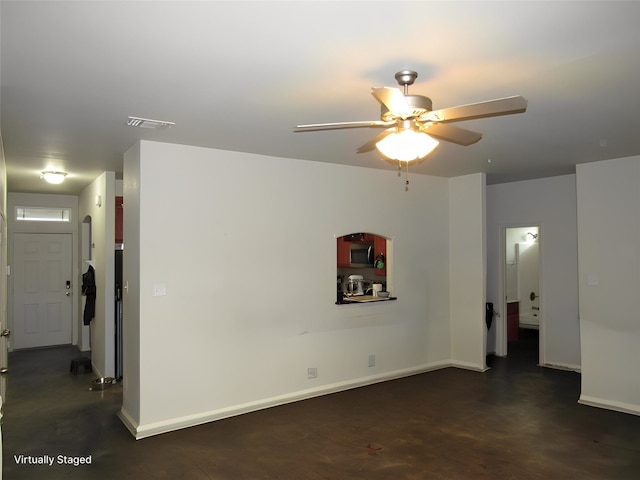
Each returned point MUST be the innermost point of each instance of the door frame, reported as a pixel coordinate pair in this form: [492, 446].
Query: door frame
[501, 326]
[4, 308]
[13, 226]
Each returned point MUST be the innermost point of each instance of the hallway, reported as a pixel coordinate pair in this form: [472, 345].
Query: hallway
[516, 421]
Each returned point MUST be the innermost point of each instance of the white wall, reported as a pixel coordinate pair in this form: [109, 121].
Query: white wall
[467, 280]
[103, 255]
[551, 204]
[3, 284]
[249, 269]
[513, 237]
[132, 353]
[609, 266]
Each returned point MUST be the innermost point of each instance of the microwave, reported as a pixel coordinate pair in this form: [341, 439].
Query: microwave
[361, 255]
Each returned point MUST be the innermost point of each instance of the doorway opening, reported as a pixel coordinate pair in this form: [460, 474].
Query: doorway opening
[522, 287]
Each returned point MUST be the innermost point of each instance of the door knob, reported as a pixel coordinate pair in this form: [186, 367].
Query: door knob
[533, 296]
[68, 294]
[5, 333]
[4, 370]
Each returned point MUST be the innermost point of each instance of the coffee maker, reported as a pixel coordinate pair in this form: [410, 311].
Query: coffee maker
[355, 285]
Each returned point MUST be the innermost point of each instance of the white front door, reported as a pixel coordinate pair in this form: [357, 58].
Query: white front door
[42, 294]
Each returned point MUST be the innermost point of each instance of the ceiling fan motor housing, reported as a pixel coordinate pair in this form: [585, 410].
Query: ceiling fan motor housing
[406, 77]
[419, 104]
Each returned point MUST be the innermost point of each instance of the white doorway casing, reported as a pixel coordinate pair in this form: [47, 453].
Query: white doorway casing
[512, 284]
[14, 227]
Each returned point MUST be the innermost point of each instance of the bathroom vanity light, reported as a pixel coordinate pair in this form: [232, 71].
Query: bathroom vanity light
[54, 177]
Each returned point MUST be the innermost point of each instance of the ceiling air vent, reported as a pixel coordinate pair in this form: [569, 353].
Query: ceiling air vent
[148, 123]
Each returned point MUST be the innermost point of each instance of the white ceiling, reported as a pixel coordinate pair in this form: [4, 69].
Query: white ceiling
[240, 75]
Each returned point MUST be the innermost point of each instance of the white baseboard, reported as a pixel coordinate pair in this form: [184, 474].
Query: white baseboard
[469, 366]
[147, 430]
[128, 421]
[96, 371]
[563, 366]
[609, 404]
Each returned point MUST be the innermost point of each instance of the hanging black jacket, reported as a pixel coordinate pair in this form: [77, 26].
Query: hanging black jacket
[89, 290]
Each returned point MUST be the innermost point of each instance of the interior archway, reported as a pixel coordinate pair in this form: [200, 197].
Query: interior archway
[362, 266]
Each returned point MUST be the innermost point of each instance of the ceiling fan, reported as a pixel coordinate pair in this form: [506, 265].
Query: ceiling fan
[412, 128]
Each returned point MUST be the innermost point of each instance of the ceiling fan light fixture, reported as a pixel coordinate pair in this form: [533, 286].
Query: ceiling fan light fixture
[54, 177]
[407, 145]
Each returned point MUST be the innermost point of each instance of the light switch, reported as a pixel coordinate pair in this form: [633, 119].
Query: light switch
[159, 289]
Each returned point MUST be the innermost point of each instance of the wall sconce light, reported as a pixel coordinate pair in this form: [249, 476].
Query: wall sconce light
[54, 177]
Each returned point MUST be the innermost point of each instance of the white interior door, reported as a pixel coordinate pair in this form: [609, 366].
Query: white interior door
[42, 294]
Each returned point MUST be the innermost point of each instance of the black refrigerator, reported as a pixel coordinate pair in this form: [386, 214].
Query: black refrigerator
[118, 312]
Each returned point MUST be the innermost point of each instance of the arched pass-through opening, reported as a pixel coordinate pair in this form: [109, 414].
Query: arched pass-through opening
[363, 271]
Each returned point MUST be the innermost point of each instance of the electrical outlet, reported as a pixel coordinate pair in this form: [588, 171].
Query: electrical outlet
[312, 372]
[372, 360]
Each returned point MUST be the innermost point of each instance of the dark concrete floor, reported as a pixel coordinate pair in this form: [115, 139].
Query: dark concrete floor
[516, 421]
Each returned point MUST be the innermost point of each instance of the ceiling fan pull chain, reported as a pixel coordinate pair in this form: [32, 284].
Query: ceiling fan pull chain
[406, 183]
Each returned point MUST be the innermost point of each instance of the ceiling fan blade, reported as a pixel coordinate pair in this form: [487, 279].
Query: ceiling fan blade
[491, 108]
[339, 125]
[451, 134]
[394, 100]
[371, 144]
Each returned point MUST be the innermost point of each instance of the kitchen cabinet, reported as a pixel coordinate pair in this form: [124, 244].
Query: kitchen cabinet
[344, 247]
[359, 238]
[380, 248]
[343, 253]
